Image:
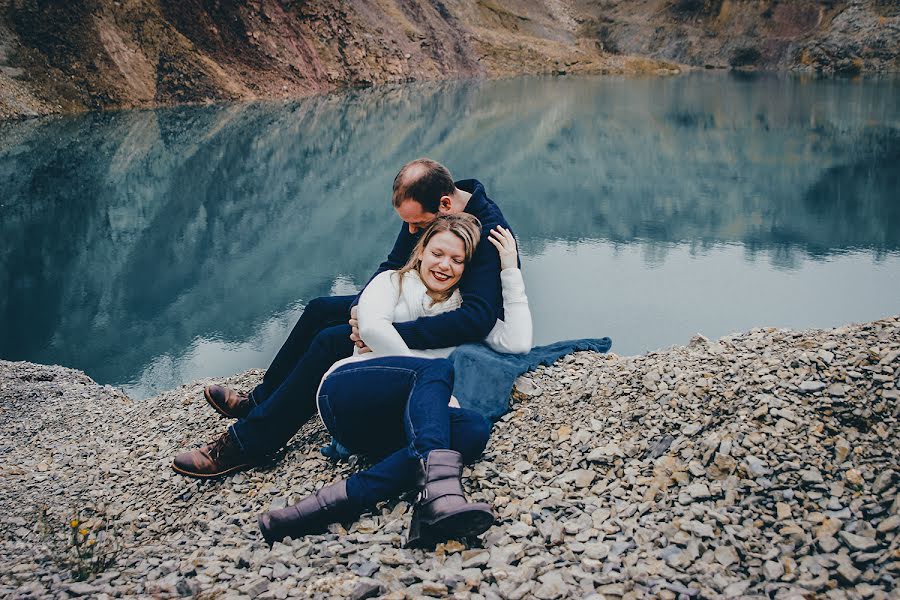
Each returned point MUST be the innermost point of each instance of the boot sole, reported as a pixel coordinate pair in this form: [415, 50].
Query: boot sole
[470, 522]
[211, 475]
[216, 407]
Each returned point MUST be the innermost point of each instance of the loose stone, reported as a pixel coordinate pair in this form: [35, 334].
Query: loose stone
[726, 555]
[694, 472]
[858, 542]
[773, 570]
[811, 386]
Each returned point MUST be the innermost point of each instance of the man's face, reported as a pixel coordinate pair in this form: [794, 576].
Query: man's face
[412, 214]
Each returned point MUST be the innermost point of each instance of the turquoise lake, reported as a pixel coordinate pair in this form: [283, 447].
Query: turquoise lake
[152, 248]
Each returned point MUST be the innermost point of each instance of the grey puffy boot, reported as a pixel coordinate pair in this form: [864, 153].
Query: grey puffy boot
[312, 514]
[441, 511]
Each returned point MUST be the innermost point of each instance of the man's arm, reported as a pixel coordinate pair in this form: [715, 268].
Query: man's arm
[482, 301]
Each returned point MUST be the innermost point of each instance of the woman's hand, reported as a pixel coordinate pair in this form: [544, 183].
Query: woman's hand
[505, 243]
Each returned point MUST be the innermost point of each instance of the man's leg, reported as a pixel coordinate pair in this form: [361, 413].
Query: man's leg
[319, 314]
[273, 422]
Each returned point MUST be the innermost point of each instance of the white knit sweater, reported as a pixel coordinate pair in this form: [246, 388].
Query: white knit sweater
[384, 303]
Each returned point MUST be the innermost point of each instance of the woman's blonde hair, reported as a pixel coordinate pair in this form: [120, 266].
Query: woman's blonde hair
[463, 225]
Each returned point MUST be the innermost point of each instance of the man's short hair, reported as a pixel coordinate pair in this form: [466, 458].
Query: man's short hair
[425, 181]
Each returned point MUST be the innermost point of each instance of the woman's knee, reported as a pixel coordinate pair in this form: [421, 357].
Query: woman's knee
[438, 368]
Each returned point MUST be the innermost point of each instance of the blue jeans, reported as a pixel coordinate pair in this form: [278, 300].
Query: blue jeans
[395, 408]
[286, 398]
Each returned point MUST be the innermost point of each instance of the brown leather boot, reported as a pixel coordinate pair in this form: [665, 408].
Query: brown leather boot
[313, 514]
[441, 511]
[221, 457]
[228, 402]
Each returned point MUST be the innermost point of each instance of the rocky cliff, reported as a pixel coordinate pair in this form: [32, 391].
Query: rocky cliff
[96, 54]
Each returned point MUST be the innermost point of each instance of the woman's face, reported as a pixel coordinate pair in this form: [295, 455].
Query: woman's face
[443, 262]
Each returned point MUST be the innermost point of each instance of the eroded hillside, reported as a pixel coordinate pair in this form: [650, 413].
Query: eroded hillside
[97, 54]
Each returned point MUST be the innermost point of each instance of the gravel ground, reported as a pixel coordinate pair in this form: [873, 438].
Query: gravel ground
[760, 465]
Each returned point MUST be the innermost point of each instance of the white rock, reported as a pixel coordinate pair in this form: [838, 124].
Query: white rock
[773, 570]
[811, 386]
[726, 555]
[858, 542]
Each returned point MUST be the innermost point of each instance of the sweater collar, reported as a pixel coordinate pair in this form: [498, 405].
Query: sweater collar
[478, 201]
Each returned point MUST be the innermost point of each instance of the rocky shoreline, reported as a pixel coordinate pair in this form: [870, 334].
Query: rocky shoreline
[763, 464]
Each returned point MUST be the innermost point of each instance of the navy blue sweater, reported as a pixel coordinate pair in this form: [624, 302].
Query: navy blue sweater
[482, 297]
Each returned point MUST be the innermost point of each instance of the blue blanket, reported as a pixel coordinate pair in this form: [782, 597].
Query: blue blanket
[484, 379]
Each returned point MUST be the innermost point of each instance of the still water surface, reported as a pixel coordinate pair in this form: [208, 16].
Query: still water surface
[151, 248]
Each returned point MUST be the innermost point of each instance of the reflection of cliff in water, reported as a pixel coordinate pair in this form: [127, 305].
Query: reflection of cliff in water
[127, 235]
[702, 161]
[194, 227]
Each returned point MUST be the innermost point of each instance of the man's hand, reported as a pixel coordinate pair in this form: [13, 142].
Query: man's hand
[354, 332]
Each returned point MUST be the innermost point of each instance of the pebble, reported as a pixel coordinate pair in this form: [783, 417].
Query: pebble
[519, 529]
[782, 511]
[596, 550]
[526, 386]
[848, 573]
[367, 569]
[756, 467]
[753, 466]
[82, 589]
[854, 477]
[698, 491]
[551, 586]
[828, 527]
[890, 524]
[726, 555]
[736, 589]
[812, 386]
[828, 544]
[883, 481]
[475, 558]
[431, 588]
[366, 588]
[812, 476]
[773, 570]
[858, 542]
[584, 478]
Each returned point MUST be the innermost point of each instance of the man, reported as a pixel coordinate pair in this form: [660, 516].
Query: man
[276, 409]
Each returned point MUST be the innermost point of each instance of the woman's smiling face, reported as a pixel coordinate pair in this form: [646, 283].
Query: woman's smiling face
[443, 262]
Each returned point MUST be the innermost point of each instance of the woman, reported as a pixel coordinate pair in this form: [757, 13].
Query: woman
[395, 403]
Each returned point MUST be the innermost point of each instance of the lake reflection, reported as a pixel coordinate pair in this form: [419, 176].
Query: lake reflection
[150, 248]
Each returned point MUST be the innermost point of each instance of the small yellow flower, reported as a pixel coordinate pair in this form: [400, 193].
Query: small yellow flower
[91, 543]
[83, 531]
[73, 523]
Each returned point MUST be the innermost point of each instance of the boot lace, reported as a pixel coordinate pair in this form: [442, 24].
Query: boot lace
[219, 447]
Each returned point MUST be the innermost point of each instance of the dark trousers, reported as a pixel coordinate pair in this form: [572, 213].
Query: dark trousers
[394, 409]
[286, 398]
